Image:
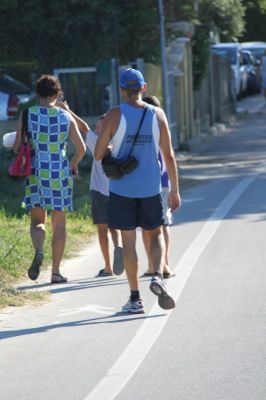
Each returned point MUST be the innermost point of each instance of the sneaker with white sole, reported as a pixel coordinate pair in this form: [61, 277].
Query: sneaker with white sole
[165, 300]
[133, 307]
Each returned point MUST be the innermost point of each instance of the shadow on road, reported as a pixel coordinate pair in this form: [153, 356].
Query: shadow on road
[78, 284]
[118, 317]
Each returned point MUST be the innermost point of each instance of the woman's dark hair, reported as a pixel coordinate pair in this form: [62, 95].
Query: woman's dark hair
[48, 86]
[152, 100]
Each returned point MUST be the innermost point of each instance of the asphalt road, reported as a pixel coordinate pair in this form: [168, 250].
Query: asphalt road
[212, 346]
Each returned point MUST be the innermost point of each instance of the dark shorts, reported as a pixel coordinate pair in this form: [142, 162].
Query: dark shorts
[127, 213]
[99, 207]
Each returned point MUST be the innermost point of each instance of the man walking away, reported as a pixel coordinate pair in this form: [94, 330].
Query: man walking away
[135, 199]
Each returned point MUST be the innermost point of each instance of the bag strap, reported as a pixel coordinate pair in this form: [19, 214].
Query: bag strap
[137, 134]
[24, 128]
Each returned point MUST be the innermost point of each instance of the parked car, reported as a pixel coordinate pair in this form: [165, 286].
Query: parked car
[253, 84]
[240, 74]
[256, 48]
[12, 94]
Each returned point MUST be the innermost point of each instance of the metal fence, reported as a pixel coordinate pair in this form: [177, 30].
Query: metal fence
[85, 88]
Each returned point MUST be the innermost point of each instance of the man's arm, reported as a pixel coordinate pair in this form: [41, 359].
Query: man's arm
[79, 145]
[82, 125]
[166, 147]
[108, 129]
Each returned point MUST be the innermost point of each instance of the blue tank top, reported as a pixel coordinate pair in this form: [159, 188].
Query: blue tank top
[145, 180]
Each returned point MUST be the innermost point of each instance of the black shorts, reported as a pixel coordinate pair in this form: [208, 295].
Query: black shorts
[99, 207]
[127, 213]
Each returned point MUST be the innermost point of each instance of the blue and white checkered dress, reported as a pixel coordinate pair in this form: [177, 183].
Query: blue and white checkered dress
[50, 184]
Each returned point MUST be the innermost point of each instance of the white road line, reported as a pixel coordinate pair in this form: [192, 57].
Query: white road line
[130, 360]
[93, 308]
[192, 199]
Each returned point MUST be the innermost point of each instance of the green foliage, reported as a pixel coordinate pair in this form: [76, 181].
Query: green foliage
[12, 297]
[223, 17]
[255, 11]
[77, 33]
[178, 10]
[201, 54]
[226, 17]
[260, 5]
[14, 244]
[51, 34]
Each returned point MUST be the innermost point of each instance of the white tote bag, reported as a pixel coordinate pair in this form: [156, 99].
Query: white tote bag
[9, 139]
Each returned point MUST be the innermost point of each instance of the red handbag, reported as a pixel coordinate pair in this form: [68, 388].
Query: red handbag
[21, 166]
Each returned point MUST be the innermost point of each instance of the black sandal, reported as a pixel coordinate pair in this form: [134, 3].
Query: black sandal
[102, 273]
[58, 278]
[34, 270]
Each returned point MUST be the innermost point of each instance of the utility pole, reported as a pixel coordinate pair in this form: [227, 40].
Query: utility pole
[166, 96]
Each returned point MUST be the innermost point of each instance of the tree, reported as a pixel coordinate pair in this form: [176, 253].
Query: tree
[225, 18]
[46, 34]
[255, 11]
[76, 33]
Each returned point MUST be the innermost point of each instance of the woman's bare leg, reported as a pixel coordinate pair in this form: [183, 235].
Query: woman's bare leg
[37, 232]
[58, 220]
[37, 227]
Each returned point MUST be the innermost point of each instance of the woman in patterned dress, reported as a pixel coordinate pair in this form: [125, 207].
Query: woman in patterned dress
[49, 187]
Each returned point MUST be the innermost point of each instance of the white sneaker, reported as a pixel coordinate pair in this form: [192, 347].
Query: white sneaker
[133, 307]
[165, 300]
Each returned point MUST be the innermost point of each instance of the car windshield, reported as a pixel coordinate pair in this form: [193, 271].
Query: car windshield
[226, 52]
[248, 58]
[257, 53]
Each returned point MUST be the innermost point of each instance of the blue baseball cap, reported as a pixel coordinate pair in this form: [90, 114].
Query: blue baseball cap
[131, 79]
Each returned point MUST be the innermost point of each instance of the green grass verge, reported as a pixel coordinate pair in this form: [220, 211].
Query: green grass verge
[16, 250]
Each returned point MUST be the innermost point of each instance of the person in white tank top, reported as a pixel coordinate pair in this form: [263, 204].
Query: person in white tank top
[99, 187]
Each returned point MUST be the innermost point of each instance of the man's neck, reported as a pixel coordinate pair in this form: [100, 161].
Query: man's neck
[136, 102]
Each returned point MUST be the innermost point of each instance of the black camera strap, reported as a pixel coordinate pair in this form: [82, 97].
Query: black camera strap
[138, 131]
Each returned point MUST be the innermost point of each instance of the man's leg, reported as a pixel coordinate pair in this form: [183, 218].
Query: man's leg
[118, 264]
[147, 246]
[157, 252]
[135, 303]
[157, 248]
[130, 258]
[104, 244]
[122, 214]
[99, 216]
[166, 235]
[115, 233]
[167, 272]
[168, 219]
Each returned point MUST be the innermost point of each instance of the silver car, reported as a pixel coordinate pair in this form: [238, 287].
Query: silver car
[12, 94]
[240, 74]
